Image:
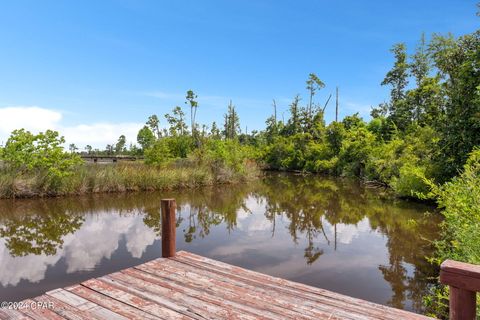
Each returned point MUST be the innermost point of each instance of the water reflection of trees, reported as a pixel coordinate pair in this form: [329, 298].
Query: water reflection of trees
[310, 201]
[200, 210]
[309, 204]
[39, 226]
[38, 233]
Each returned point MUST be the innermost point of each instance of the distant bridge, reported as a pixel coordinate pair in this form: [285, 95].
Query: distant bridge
[108, 158]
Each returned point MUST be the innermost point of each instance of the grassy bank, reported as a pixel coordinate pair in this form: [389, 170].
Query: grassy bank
[123, 177]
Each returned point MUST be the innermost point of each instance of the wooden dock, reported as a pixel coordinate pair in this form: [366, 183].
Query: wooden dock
[182, 285]
[189, 286]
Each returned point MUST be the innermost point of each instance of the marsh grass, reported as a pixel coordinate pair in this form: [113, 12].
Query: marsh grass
[123, 177]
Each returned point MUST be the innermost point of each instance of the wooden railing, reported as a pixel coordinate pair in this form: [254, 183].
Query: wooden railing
[464, 281]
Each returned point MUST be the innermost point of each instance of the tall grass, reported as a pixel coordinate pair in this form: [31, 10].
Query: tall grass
[123, 177]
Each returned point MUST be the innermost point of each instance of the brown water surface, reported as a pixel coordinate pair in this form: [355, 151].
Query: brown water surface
[332, 234]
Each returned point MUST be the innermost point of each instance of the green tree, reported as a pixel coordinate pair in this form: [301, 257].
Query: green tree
[159, 153]
[154, 124]
[109, 149]
[420, 64]
[215, 131]
[356, 151]
[120, 145]
[426, 101]
[232, 122]
[380, 111]
[272, 129]
[27, 152]
[192, 101]
[72, 147]
[293, 125]
[399, 111]
[88, 148]
[145, 138]
[458, 62]
[177, 122]
[335, 136]
[313, 85]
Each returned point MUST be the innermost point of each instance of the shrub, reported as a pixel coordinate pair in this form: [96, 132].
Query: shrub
[159, 153]
[355, 152]
[411, 182]
[278, 154]
[460, 235]
[180, 146]
[460, 200]
[25, 152]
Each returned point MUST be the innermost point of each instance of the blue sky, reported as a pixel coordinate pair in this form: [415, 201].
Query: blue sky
[95, 69]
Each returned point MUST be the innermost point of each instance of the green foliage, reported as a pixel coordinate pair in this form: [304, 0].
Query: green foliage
[145, 138]
[231, 127]
[460, 240]
[293, 125]
[381, 128]
[335, 136]
[177, 122]
[25, 152]
[277, 154]
[120, 146]
[226, 154]
[355, 151]
[191, 98]
[459, 199]
[159, 153]
[458, 61]
[410, 182]
[154, 124]
[180, 146]
[124, 177]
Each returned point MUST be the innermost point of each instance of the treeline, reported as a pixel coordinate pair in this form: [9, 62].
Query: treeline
[425, 132]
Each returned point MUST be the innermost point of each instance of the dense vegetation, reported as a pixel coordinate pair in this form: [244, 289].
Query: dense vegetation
[37, 166]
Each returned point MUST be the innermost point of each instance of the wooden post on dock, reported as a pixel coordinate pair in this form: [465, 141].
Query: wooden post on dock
[169, 207]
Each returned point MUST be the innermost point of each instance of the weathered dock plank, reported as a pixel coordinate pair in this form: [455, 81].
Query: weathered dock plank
[188, 286]
[304, 292]
[112, 304]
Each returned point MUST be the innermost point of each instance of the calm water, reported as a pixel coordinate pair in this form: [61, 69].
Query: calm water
[332, 234]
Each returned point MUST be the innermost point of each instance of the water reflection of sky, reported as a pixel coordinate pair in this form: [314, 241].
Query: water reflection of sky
[97, 239]
[347, 269]
[366, 253]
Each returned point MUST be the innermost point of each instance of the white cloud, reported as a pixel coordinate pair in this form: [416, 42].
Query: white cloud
[32, 118]
[36, 119]
[346, 233]
[100, 134]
